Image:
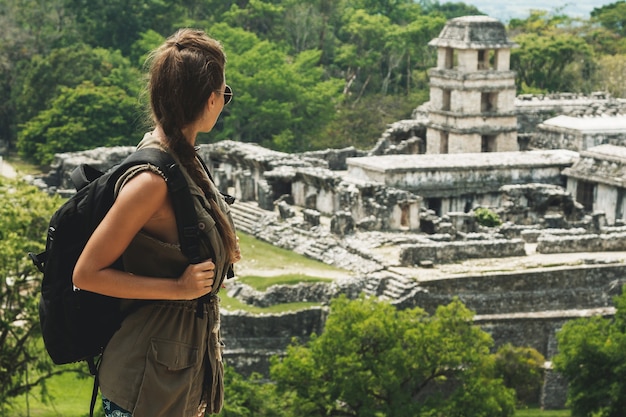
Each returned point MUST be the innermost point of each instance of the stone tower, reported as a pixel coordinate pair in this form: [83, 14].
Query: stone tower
[472, 89]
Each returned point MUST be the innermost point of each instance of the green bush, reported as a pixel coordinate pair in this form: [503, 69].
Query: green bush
[521, 368]
[486, 217]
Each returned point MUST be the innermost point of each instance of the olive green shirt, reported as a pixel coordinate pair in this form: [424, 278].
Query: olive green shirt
[166, 361]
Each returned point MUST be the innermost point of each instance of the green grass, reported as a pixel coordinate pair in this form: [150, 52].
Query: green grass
[259, 255]
[263, 283]
[232, 304]
[536, 412]
[265, 265]
[71, 396]
[23, 167]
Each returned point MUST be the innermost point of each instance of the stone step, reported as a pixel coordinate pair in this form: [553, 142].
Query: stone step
[313, 252]
[247, 216]
[398, 286]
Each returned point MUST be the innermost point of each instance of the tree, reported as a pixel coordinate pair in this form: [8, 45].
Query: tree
[539, 22]
[556, 62]
[592, 357]
[259, 17]
[251, 397]
[117, 24]
[29, 27]
[42, 78]
[80, 118]
[521, 368]
[363, 52]
[373, 359]
[612, 74]
[450, 10]
[612, 16]
[350, 128]
[280, 102]
[24, 215]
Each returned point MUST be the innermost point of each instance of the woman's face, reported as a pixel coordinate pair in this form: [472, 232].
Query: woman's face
[215, 104]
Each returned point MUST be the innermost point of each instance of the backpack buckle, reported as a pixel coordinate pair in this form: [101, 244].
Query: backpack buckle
[38, 259]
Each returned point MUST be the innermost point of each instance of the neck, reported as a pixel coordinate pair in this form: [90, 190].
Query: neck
[188, 132]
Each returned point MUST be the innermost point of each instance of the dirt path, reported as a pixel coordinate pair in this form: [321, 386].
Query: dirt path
[515, 264]
[482, 266]
[6, 170]
[251, 268]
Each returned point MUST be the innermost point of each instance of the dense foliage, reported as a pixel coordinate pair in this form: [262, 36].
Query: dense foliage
[306, 74]
[487, 217]
[24, 215]
[522, 369]
[375, 360]
[592, 356]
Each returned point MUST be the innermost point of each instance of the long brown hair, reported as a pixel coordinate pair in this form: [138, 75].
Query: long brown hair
[184, 71]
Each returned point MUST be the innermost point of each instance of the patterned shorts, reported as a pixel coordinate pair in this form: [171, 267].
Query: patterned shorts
[114, 410]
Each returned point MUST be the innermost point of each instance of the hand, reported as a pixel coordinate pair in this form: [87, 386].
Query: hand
[197, 280]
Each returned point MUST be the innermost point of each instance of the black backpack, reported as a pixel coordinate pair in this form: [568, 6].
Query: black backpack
[77, 324]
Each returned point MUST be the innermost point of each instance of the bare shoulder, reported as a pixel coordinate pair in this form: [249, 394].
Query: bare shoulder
[146, 187]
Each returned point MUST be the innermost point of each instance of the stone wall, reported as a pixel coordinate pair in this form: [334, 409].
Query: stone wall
[58, 177]
[445, 252]
[526, 308]
[546, 289]
[532, 109]
[579, 134]
[251, 340]
[604, 242]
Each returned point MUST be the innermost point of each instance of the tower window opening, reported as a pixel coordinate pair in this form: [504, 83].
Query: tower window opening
[488, 102]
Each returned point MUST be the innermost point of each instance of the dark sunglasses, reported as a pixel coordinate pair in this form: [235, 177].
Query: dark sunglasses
[228, 94]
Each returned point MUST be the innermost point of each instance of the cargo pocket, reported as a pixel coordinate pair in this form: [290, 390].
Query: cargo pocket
[167, 388]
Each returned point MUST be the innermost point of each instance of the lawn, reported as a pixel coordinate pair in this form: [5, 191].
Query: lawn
[535, 412]
[71, 396]
[265, 257]
[264, 265]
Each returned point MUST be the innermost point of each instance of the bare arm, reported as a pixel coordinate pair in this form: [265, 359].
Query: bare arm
[139, 201]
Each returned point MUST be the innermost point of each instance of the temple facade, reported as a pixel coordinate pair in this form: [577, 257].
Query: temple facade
[472, 89]
[598, 181]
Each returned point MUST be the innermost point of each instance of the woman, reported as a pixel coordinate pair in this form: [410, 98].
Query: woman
[165, 360]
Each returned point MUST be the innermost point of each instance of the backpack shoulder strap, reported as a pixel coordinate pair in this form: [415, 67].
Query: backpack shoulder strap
[227, 197]
[182, 200]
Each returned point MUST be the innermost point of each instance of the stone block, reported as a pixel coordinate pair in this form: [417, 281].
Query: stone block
[312, 217]
[285, 210]
[265, 194]
[342, 223]
[446, 252]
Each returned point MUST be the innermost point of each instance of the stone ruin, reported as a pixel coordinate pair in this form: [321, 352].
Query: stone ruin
[397, 249]
[531, 111]
[401, 217]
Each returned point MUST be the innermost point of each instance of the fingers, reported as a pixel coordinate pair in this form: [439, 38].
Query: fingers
[197, 280]
[202, 275]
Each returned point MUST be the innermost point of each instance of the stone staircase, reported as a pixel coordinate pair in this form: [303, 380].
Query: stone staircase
[317, 249]
[248, 216]
[378, 281]
[398, 285]
[390, 285]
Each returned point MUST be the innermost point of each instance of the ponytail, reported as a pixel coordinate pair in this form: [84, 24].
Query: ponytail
[184, 72]
[177, 143]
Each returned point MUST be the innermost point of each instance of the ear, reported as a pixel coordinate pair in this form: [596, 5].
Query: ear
[211, 101]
